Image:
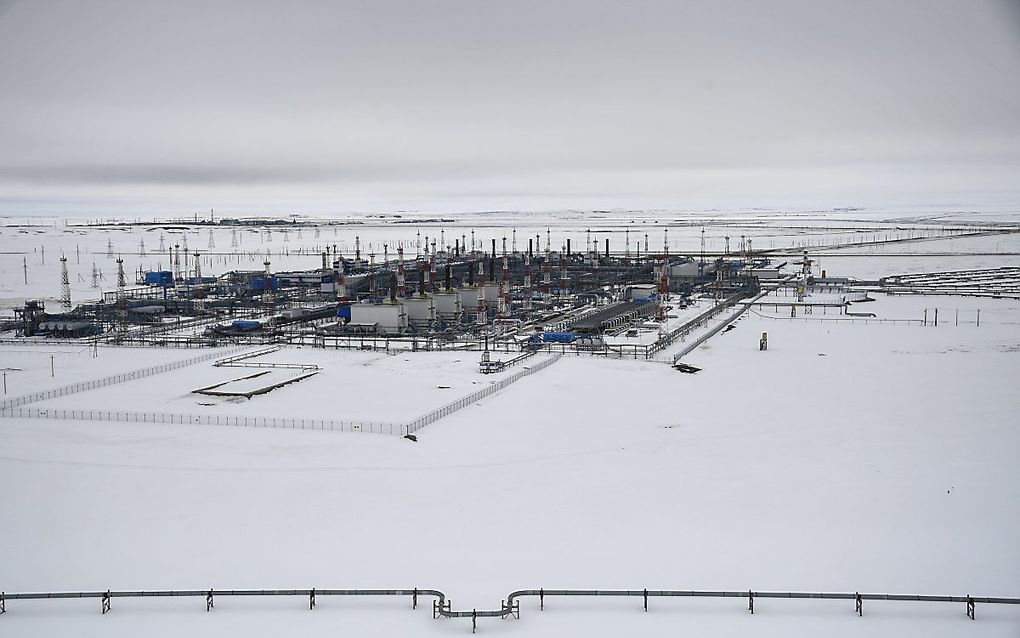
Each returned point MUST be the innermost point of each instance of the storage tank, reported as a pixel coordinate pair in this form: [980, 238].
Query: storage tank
[388, 318]
[448, 304]
[420, 311]
[468, 298]
[491, 292]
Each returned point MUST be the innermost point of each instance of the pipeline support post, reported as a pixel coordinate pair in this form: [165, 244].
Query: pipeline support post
[105, 601]
[311, 599]
[209, 600]
[414, 599]
[438, 607]
[750, 601]
[511, 609]
[970, 607]
[859, 604]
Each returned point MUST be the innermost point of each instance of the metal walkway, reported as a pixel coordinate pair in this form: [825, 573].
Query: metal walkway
[442, 607]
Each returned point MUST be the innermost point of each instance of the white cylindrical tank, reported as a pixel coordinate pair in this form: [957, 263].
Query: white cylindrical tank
[448, 304]
[491, 292]
[420, 310]
[390, 318]
[468, 297]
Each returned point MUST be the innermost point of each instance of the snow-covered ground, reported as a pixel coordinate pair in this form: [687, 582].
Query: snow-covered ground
[37, 366]
[852, 455]
[372, 386]
[846, 457]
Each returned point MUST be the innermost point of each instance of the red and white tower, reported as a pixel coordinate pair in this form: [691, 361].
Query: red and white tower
[268, 300]
[401, 283]
[341, 283]
[660, 312]
[547, 276]
[480, 317]
[564, 282]
[431, 279]
[503, 307]
[527, 281]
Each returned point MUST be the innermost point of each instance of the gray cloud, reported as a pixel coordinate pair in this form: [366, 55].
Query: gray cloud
[436, 102]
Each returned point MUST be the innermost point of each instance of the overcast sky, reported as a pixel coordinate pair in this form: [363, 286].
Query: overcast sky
[328, 106]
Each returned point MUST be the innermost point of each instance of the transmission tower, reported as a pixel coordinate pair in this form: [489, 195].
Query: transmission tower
[65, 285]
[121, 297]
[268, 300]
[701, 263]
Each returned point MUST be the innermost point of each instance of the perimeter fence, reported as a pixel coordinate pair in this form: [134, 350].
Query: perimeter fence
[83, 386]
[450, 408]
[335, 425]
[15, 410]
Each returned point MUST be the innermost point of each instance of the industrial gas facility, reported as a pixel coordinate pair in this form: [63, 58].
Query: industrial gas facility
[504, 294]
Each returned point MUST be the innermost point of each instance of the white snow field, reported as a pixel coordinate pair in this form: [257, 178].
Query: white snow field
[850, 456]
[370, 386]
